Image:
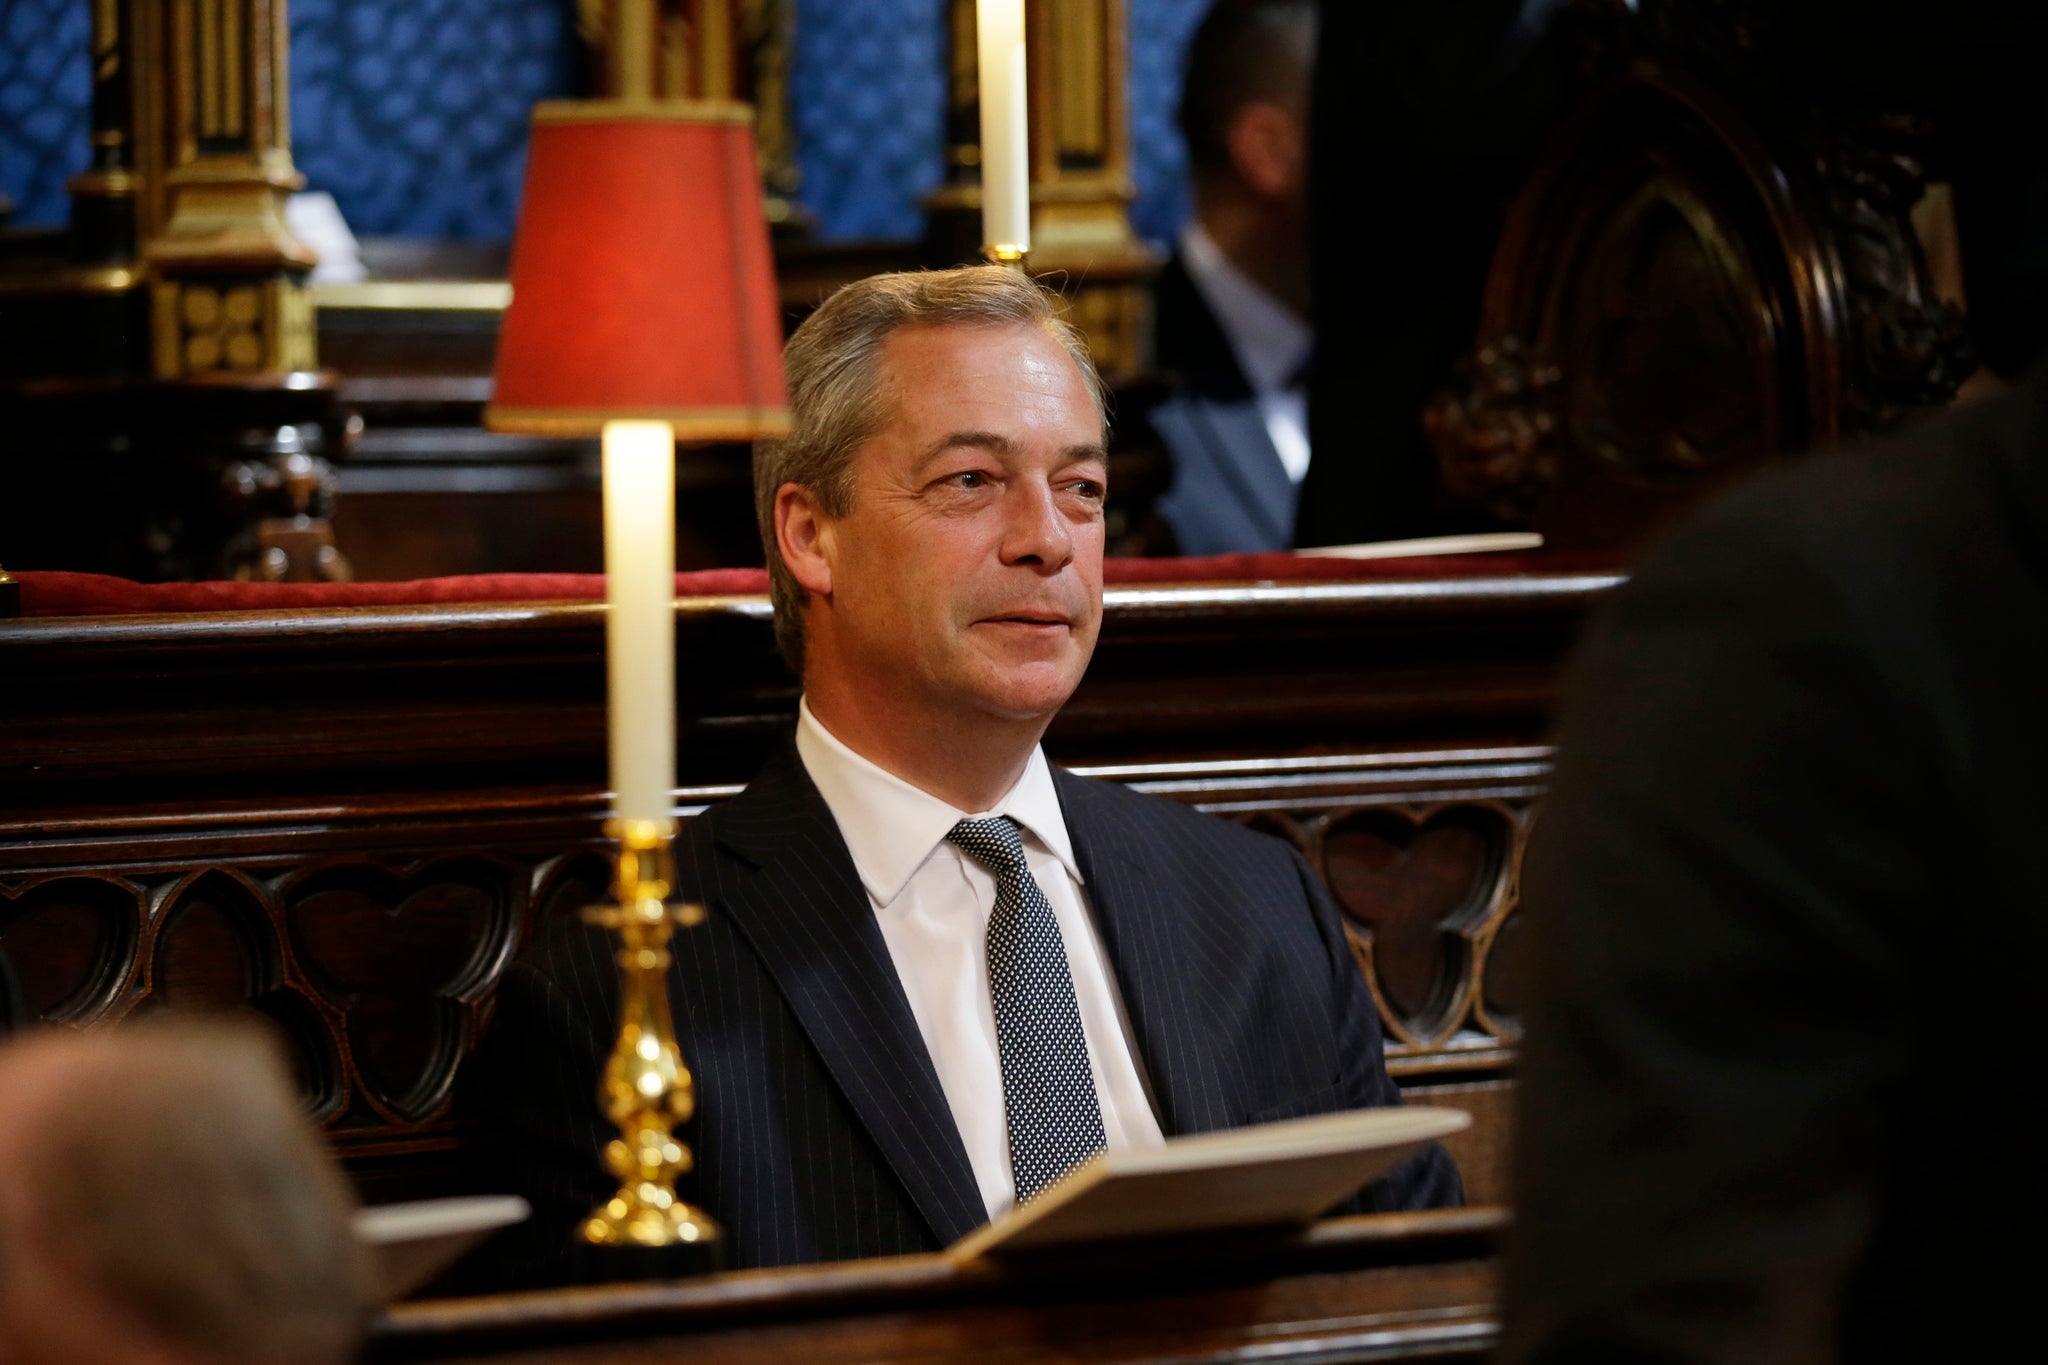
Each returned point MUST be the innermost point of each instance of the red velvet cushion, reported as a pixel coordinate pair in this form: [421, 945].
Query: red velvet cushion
[85, 594]
[90, 594]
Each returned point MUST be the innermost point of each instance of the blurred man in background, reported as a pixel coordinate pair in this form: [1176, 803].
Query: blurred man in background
[1233, 302]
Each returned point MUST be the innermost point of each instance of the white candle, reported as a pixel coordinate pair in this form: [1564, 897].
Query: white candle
[1005, 125]
[640, 628]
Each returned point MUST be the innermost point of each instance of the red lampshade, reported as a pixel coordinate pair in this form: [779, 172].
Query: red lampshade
[642, 286]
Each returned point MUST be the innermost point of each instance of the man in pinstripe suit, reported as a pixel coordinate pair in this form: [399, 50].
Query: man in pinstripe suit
[870, 1054]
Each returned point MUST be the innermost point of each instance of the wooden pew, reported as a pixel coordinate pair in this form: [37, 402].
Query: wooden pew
[347, 820]
[1389, 1288]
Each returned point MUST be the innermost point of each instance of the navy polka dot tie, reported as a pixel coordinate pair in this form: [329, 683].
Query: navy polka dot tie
[1048, 1089]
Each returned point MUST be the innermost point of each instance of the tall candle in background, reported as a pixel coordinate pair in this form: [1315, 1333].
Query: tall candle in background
[640, 628]
[1005, 125]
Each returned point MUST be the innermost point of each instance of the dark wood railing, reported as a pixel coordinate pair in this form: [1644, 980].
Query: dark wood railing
[347, 820]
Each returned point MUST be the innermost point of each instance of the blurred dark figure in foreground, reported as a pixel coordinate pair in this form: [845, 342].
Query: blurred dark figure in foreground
[163, 1199]
[1785, 900]
[1233, 302]
[1787, 911]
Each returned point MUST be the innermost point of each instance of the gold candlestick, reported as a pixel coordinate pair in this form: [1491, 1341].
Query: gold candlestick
[646, 1091]
[1006, 253]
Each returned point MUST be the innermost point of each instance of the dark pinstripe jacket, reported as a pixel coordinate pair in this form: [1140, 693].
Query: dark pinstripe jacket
[822, 1133]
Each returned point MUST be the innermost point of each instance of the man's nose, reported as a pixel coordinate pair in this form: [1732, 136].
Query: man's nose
[1037, 534]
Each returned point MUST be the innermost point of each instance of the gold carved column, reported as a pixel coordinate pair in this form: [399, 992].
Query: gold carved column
[706, 50]
[103, 197]
[77, 312]
[214, 137]
[231, 319]
[1081, 187]
[160, 376]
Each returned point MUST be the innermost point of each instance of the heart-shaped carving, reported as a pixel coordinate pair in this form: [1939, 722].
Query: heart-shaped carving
[1276, 824]
[566, 885]
[1418, 887]
[1502, 985]
[404, 956]
[217, 951]
[67, 944]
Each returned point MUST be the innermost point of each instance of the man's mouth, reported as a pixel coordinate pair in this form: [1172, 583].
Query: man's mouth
[1028, 617]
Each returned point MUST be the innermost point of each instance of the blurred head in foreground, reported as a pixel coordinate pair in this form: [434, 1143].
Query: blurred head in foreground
[163, 1199]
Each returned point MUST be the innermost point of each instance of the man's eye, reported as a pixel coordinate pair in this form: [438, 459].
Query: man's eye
[968, 478]
[1090, 489]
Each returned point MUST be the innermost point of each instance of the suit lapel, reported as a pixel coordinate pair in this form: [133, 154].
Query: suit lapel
[1245, 460]
[1217, 408]
[800, 903]
[1144, 926]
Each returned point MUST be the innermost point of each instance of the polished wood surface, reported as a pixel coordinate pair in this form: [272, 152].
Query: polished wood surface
[1393, 1287]
[346, 821]
[1695, 279]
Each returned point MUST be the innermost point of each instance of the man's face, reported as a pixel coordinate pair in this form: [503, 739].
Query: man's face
[966, 577]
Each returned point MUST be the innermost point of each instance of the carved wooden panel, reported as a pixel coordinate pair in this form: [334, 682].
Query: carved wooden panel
[1697, 278]
[378, 971]
[68, 945]
[377, 975]
[409, 955]
[1429, 894]
[1426, 891]
[357, 859]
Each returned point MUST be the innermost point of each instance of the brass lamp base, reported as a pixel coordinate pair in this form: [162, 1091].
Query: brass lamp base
[1005, 253]
[647, 1091]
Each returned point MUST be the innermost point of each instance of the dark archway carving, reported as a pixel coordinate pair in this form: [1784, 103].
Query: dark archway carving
[67, 947]
[1425, 892]
[407, 957]
[215, 947]
[1700, 276]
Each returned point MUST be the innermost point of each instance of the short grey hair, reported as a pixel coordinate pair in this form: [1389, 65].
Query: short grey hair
[835, 396]
[174, 1168]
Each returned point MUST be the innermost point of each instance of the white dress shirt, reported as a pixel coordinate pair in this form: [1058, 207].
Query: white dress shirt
[1271, 344]
[933, 903]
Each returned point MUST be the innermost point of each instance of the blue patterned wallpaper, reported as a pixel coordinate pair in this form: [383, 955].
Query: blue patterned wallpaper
[869, 78]
[413, 112]
[45, 105]
[1160, 30]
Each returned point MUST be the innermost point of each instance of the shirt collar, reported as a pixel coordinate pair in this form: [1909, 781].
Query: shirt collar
[1271, 344]
[891, 827]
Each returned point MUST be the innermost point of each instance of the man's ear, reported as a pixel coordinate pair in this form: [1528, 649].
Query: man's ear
[804, 534]
[1267, 149]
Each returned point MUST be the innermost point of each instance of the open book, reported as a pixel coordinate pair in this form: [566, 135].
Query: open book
[415, 1242]
[1272, 1175]
[1480, 542]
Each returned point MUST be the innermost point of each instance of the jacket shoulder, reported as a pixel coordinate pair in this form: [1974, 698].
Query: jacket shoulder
[1116, 808]
[1972, 473]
